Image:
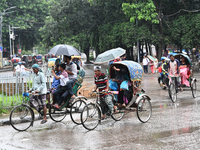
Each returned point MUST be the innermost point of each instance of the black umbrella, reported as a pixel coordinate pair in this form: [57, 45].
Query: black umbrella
[63, 49]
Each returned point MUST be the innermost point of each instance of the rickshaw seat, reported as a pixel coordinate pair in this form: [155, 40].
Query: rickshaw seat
[76, 87]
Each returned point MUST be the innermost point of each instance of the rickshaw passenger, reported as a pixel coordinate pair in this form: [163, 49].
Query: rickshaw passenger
[39, 86]
[123, 78]
[101, 82]
[174, 69]
[184, 68]
[71, 69]
[55, 83]
[63, 77]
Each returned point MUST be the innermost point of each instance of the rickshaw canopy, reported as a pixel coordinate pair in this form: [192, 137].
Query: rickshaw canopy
[184, 55]
[79, 57]
[53, 62]
[135, 69]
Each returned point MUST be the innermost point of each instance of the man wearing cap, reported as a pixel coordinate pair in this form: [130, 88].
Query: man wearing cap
[102, 84]
[39, 87]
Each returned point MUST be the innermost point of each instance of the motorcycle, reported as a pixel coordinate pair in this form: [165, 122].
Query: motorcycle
[164, 82]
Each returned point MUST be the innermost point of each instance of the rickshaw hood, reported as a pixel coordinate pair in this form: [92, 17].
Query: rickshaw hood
[134, 68]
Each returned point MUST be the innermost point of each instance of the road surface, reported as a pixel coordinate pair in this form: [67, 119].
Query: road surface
[172, 126]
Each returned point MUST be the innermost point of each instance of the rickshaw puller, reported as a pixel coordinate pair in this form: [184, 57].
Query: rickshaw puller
[102, 84]
[174, 69]
[39, 86]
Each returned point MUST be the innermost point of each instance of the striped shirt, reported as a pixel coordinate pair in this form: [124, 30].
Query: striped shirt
[101, 82]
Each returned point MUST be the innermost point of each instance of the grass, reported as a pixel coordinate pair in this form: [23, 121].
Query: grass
[9, 103]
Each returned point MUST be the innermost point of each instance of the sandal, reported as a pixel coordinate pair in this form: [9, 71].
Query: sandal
[115, 109]
[124, 105]
[56, 106]
[43, 121]
[102, 118]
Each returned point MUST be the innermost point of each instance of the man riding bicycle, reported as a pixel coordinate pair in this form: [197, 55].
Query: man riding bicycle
[102, 84]
[174, 70]
[39, 87]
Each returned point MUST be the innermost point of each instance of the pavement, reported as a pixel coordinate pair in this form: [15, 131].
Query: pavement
[172, 126]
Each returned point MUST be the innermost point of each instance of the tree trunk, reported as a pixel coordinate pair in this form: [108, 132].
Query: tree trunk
[158, 4]
[150, 49]
[147, 49]
[128, 53]
[131, 50]
[86, 51]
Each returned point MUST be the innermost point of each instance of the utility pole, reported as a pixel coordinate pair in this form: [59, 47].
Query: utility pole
[1, 43]
[10, 42]
[12, 36]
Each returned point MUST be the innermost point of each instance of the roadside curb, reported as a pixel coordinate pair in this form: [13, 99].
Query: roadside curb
[4, 122]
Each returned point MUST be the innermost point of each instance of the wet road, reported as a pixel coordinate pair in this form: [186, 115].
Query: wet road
[172, 126]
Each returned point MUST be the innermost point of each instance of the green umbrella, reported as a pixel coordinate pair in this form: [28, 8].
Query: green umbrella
[109, 55]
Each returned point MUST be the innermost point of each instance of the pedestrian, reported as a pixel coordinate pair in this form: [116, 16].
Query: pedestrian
[151, 64]
[20, 69]
[155, 65]
[39, 87]
[145, 63]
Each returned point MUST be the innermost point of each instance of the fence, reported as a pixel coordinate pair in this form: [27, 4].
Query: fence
[12, 88]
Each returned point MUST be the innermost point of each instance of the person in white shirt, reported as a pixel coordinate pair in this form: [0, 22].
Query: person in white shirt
[145, 63]
[20, 69]
[63, 77]
[71, 69]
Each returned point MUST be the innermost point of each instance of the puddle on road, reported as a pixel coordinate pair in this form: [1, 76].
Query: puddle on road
[175, 132]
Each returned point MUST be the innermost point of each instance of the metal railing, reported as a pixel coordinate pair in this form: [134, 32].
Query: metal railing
[12, 87]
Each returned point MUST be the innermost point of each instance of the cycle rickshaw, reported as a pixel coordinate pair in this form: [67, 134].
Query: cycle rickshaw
[138, 102]
[174, 85]
[23, 116]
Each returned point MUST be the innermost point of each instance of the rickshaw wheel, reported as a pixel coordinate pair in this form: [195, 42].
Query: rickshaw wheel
[56, 114]
[118, 115]
[76, 110]
[194, 89]
[144, 110]
[90, 116]
[172, 92]
[21, 118]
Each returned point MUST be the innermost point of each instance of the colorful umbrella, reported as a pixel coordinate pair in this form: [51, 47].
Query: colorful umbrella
[151, 58]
